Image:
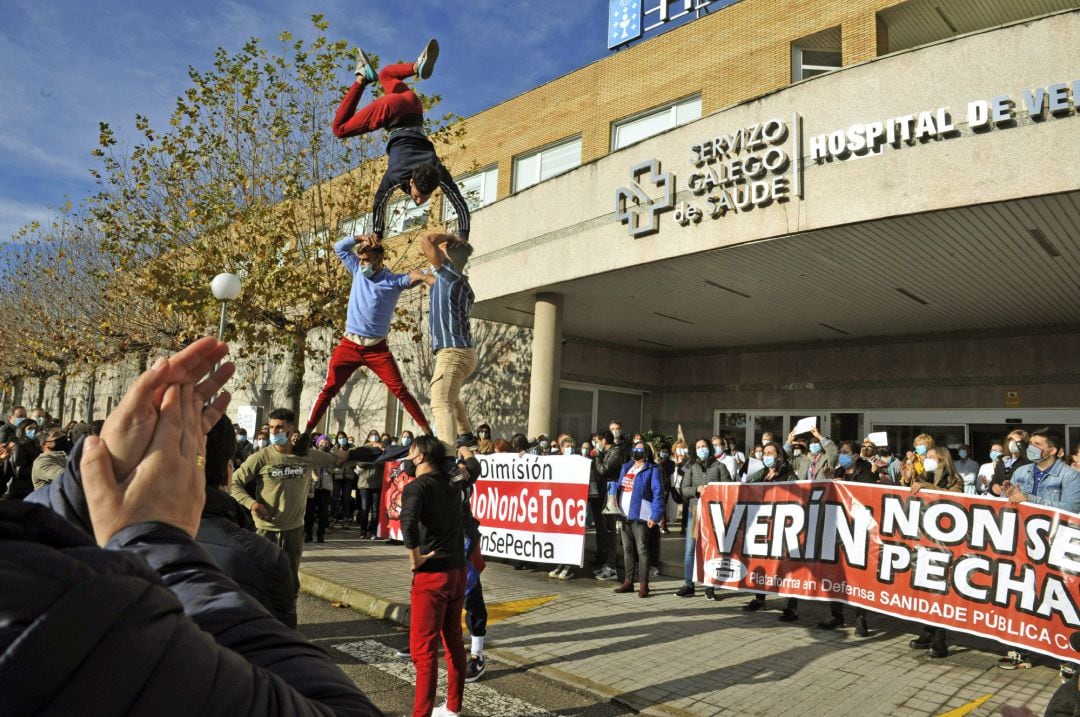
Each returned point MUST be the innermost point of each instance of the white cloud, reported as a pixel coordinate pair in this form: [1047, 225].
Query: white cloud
[14, 215]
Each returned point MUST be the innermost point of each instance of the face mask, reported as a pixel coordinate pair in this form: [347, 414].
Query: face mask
[845, 460]
[717, 450]
[994, 455]
[585, 450]
[567, 451]
[406, 441]
[798, 451]
[261, 443]
[962, 453]
[343, 442]
[765, 441]
[483, 434]
[241, 438]
[408, 468]
[30, 433]
[682, 451]
[702, 453]
[664, 455]
[930, 464]
[373, 438]
[759, 454]
[1034, 453]
[815, 448]
[40, 420]
[920, 450]
[325, 447]
[638, 454]
[367, 270]
[769, 461]
[19, 421]
[279, 439]
[62, 445]
[616, 434]
[1014, 446]
[545, 444]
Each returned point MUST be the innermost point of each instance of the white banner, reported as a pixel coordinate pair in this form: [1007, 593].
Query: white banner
[533, 508]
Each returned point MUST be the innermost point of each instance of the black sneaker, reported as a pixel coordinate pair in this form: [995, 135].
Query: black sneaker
[474, 668]
[861, 629]
[466, 439]
[685, 591]
[425, 64]
[710, 594]
[754, 605]
[788, 616]
[303, 444]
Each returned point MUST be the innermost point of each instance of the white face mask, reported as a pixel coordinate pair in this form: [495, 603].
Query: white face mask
[262, 443]
[567, 451]
[930, 464]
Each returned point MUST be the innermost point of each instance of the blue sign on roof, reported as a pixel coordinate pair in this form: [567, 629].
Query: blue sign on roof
[624, 22]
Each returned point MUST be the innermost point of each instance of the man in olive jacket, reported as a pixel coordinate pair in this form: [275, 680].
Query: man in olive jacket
[607, 463]
[697, 472]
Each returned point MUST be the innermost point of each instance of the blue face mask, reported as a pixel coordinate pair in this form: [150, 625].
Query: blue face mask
[241, 438]
[279, 439]
[367, 270]
[815, 448]
[718, 451]
[30, 433]
[663, 455]
[702, 453]
[406, 441]
[920, 450]
[1034, 453]
[343, 442]
[845, 460]
[769, 461]
[962, 453]
[19, 421]
[994, 455]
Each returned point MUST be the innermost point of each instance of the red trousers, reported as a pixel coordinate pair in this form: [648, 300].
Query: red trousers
[349, 356]
[435, 610]
[398, 101]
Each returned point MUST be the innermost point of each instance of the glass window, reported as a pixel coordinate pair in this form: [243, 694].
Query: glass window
[806, 63]
[618, 406]
[655, 121]
[575, 413]
[405, 215]
[356, 225]
[535, 167]
[732, 425]
[478, 189]
[769, 424]
[901, 438]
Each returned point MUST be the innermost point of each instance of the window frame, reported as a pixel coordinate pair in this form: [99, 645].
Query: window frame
[486, 174]
[673, 121]
[538, 153]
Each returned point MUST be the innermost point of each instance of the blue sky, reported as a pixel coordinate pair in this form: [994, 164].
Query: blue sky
[68, 65]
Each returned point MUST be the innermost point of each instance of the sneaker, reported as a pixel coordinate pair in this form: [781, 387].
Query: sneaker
[1066, 671]
[861, 630]
[303, 443]
[403, 652]
[710, 594]
[425, 64]
[468, 440]
[754, 605]
[556, 572]
[598, 570]
[566, 574]
[653, 572]
[607, 573]
[364, 71]
[474, 668]
[1014, 660]
[685, 591]
[444, 711]
[788, 616]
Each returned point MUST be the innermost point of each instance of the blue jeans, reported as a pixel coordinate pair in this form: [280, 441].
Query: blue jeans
[688, 550]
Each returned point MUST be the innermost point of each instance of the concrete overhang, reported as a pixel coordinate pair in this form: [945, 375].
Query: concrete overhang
[967, 228]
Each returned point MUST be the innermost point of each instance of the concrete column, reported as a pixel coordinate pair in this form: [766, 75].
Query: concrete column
[546, 364]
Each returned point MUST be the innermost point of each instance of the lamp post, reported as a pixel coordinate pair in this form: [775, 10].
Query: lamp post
[226, 287]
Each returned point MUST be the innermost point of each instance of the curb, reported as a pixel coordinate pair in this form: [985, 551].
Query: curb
[364, 603]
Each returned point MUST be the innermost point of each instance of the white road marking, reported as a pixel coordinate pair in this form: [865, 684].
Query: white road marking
[479, 699]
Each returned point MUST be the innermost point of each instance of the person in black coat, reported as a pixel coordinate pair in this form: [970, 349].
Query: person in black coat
[161, 631]
[17, 454]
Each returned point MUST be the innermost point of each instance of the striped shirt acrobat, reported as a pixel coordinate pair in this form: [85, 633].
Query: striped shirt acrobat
[451, 302]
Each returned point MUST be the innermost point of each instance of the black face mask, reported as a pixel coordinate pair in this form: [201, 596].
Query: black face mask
[408, 468]
[638, 454]
[62, 444]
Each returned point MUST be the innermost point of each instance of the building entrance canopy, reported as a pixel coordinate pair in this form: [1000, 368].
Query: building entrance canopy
[914, 193]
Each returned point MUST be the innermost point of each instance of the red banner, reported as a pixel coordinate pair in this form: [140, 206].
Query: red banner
[394, 482]
[977, 565]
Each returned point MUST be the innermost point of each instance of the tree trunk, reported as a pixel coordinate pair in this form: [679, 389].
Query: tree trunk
[40, 402]
[90, 398]
[62, 394]
[295, 385]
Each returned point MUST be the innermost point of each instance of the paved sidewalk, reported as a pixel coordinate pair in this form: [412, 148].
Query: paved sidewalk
[670, 656]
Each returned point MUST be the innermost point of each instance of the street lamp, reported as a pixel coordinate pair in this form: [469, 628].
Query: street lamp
[226, 287]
